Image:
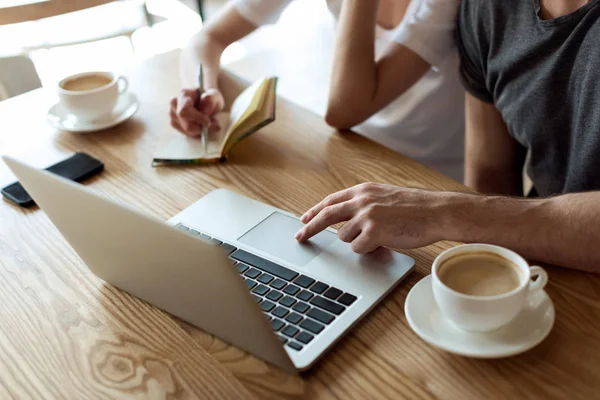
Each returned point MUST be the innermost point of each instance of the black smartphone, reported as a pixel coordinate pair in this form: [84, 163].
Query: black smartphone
[77, 168]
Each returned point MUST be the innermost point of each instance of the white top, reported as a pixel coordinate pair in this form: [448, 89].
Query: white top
[425, 123]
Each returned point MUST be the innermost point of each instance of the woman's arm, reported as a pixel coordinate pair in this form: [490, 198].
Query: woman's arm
[360, 85]
[189, 114]
[207, 46]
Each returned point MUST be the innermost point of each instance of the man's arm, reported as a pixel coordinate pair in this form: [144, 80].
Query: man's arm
[360, 85]
[563, 230]
[493, 159]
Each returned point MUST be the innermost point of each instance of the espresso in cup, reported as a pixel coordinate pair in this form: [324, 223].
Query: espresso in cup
[481, 287]
[91, 96]
[480, 274]
[86, 82]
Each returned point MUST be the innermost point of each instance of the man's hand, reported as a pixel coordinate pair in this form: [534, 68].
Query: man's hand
[379, 215]
[189, 119]
[562, 230]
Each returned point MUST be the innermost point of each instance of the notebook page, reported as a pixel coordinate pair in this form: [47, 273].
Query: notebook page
[177, 146]
[242, 103]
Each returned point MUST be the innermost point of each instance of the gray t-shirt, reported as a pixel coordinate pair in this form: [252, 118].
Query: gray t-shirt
[543, 76]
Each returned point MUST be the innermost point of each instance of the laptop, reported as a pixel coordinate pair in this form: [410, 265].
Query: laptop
[227, 264]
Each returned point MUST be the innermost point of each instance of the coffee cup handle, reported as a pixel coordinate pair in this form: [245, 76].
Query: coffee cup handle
[542, 278]
[124, 84]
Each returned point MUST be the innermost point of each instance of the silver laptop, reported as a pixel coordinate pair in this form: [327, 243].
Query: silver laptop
[227, 264]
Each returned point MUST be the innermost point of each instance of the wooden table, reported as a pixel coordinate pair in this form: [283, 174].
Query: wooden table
[65, 334]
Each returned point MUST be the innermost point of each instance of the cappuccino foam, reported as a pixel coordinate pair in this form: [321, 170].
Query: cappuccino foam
[480, 274]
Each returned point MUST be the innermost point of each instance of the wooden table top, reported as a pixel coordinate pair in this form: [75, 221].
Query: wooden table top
[65, 334]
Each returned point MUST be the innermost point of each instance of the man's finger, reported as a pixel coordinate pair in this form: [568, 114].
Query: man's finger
[350, 230]
[334, 198]
[364, 243]
[328, 216]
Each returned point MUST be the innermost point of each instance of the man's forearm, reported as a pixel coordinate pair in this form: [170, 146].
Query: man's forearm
[563, 230]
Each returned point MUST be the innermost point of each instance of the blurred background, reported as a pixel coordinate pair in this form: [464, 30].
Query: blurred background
[42, 41]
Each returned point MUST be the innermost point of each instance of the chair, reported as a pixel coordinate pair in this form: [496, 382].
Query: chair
[52, 23]
[17, 75]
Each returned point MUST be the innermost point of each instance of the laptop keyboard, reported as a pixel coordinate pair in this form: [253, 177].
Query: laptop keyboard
[298, 307]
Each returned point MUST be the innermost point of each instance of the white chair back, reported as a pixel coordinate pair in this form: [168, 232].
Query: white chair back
[17, 75]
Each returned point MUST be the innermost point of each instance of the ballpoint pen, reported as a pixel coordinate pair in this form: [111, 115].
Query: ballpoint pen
[204, 136]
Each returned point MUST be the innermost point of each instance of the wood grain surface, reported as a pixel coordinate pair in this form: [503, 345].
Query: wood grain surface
[65, 334]
[36, 9]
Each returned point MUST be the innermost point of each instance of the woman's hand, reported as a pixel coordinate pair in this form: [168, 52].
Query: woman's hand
[189, 116]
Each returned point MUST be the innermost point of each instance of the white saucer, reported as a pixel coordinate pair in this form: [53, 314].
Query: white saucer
[526, 331]
[126, 106]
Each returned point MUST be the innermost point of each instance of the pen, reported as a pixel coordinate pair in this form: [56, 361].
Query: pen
[204, 136]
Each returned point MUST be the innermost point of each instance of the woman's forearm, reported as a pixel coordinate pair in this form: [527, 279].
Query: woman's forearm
[361, 85]
[207, 46]
[204, 51]
[354, 73]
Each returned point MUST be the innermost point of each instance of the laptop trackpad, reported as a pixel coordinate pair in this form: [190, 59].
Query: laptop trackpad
[275, 235]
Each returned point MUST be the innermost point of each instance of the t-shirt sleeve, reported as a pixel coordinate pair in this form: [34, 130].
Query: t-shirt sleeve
[471, 47]
[261, 12]
[428, 29]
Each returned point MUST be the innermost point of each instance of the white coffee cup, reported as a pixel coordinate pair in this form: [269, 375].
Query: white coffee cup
[485, 313]
[91, 96]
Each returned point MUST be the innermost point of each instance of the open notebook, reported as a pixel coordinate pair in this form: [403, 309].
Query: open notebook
[251, 110]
